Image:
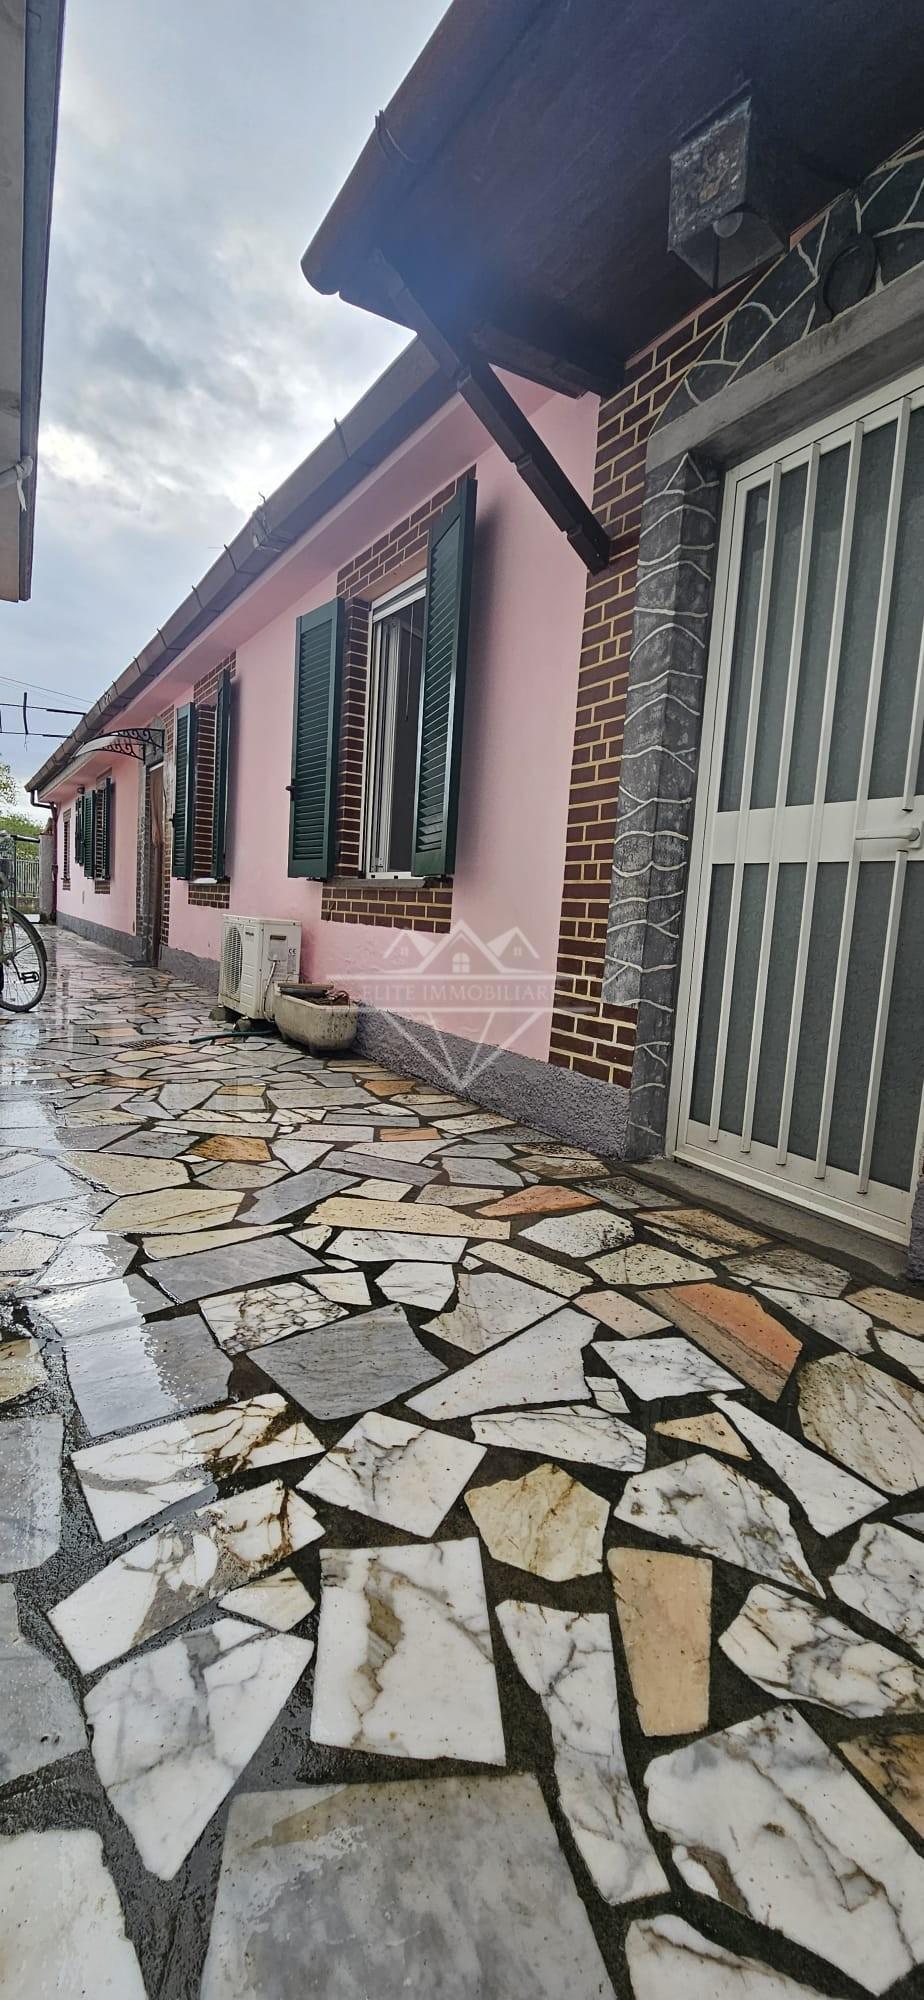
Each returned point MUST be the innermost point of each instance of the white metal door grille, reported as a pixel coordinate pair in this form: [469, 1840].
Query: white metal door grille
[801, 1046]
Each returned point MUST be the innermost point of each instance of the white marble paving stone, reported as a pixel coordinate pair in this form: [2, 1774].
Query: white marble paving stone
[87, 1259]
[380, 1246]
[574, 1432]
[493, 1173]
[62, 1932]
[786, 1268]
[669, 1960]
[829, 1497]
[185, 1564]
[866, 1419]
[427, 1286]
[129, 1173]
[405, 1666]
[648, 1264]
[905, 1348]
[242, 1321]
[915, 1521]
[883, 1577]
[566, 1657]
[394, 1472]
[668, 1365]
[764, 1817]
[131, 1478]
[799, 1651]
[174, 1729]
[490, 1306]
[338, 1370]
[448, 1886]
[607, 1394]
[715, 1510]
[279, 1600]
[40, 1720]
[61, 1219]
[21, 1369]
[585, 1233]
[540, 1365]
[839, 1321]
[341, 1284]
[30, 1491]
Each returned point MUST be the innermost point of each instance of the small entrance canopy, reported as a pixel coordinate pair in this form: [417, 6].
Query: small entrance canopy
[138, 743]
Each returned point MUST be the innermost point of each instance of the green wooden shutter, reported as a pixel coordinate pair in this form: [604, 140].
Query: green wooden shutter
[89, 831]
[78, 830]
[442, 692]
[315, 737]
[106, 803]
[184, 753]
[220, 783]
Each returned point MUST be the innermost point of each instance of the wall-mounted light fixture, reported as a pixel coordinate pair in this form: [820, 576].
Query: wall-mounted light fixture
[728, 195]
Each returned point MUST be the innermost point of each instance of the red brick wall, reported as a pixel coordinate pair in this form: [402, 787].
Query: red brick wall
[588, 1035]
[350, 899]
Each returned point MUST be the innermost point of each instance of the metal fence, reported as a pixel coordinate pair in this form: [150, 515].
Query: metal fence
[20, 856]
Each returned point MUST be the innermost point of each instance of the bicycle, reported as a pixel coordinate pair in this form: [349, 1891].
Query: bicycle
[23, 958]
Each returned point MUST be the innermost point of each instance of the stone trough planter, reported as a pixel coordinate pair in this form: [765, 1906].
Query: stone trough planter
[322, 1019]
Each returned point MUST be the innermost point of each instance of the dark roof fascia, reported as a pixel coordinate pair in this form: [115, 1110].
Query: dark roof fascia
[468, 46]
[409, 392]
[44, 34]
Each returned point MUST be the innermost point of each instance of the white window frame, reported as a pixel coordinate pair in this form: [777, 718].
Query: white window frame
[410, 592]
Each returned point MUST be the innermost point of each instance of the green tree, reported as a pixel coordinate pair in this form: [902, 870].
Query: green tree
[12, 821]
[7, 786]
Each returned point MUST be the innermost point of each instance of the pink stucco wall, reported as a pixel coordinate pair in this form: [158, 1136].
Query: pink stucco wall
[527, 610]
[117, 910]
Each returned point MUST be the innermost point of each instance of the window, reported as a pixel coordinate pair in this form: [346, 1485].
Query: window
[393, 717]
[202, 741]
[66, 858]
[101, 847]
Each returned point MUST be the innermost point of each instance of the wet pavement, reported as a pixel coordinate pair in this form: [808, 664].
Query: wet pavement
[433, 1562]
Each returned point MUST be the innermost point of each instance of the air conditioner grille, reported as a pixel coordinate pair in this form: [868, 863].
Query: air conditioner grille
[232, 961]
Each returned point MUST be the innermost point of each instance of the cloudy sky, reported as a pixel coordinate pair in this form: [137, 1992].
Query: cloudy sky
[188, 366]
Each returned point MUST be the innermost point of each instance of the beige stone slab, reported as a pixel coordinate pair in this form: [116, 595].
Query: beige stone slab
[207, 1239]
[898, 1309]
[624, 1316]
[536, 1270]
[341, 1211]
[711, 1430]
[25, 1252]
[21, 1369]
[540, 1200]
[129, 1173]
[176, 1211]
[238, 1149]
[894, 1766]
[664, 1604]
[547, 1523]
[701, 1232]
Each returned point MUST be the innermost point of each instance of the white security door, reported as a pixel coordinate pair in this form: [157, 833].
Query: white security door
[801, 1038]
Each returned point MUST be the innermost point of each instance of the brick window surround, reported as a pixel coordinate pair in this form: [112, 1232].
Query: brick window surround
[353, 898]
[204, 892]
[66, 851]
[588, 1035]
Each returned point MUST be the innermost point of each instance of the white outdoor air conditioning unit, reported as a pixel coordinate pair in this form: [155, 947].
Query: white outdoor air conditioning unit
[256, 955]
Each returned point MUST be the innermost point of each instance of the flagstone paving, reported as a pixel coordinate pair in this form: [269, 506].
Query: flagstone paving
[434, 1562]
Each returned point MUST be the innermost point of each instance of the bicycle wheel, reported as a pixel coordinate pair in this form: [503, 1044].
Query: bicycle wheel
[23, 963]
